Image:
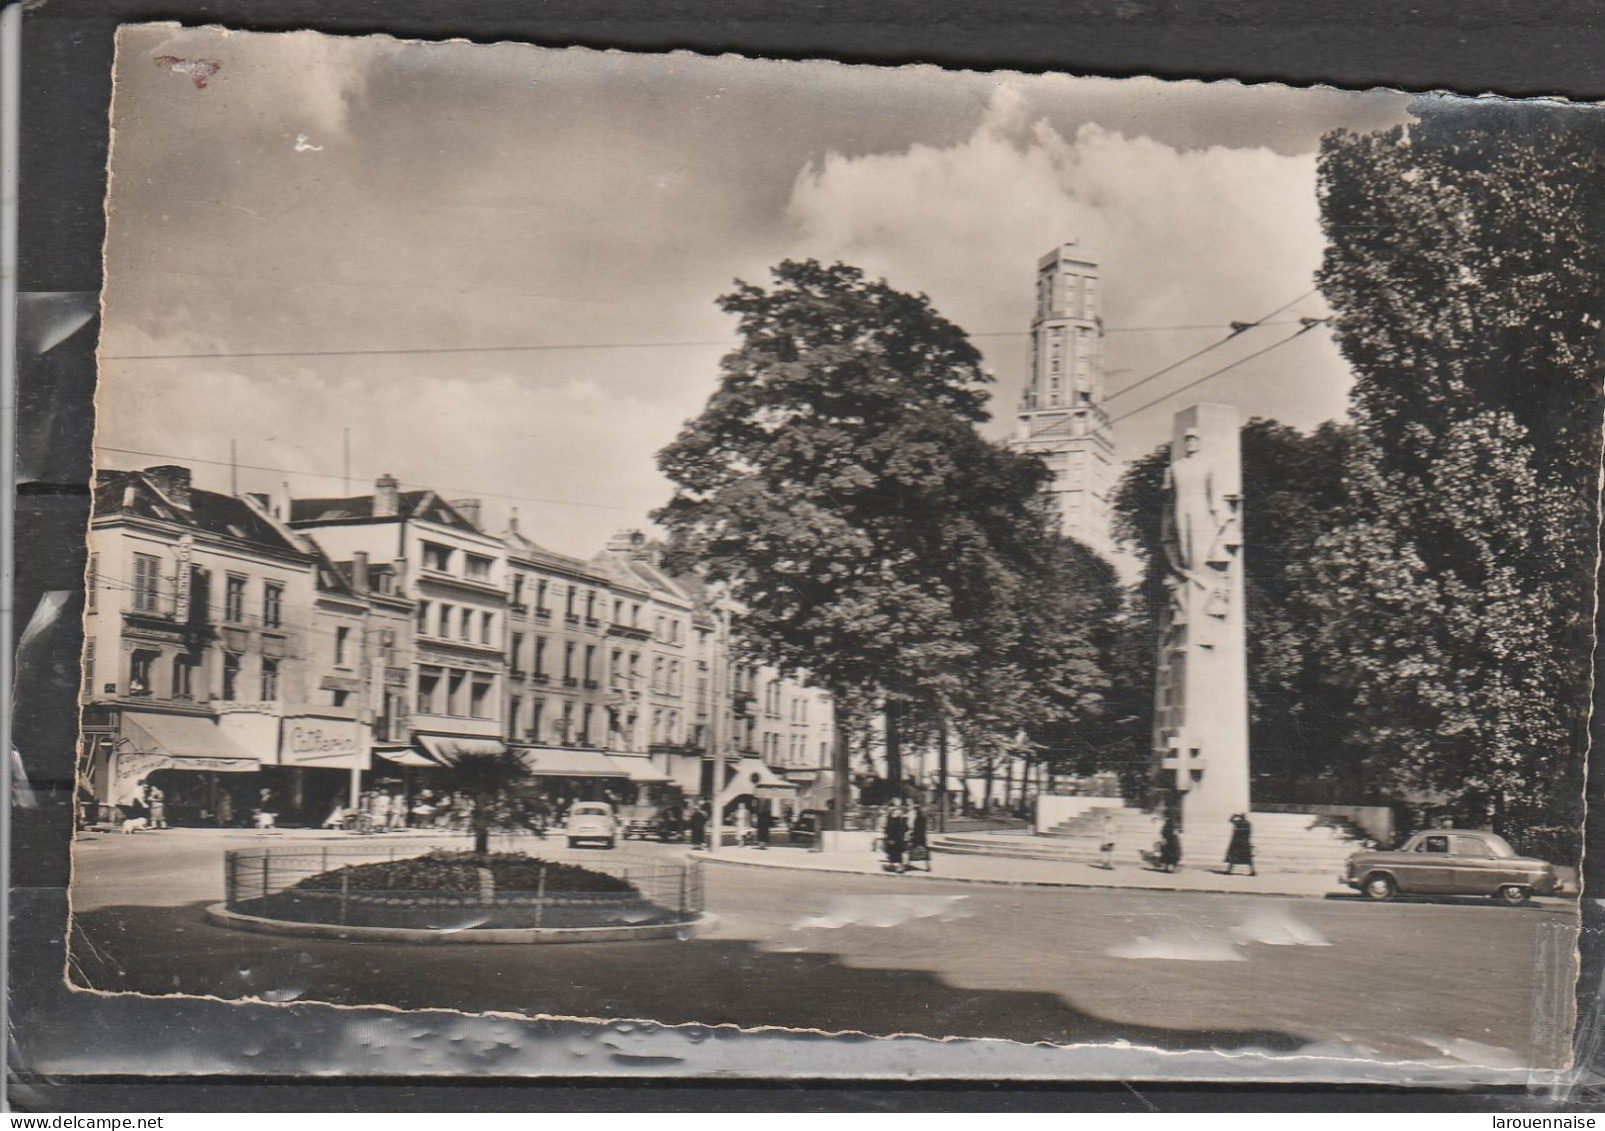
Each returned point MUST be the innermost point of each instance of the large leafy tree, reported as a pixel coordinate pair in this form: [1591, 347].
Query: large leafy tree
[1464, 263]
[836, 482]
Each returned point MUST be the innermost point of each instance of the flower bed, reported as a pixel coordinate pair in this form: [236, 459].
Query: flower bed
[461, 873]
[461, 891]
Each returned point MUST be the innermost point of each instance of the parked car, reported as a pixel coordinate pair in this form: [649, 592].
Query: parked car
[1450, 862]
[592, 821]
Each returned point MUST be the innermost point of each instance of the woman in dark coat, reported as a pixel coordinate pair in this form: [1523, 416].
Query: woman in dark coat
[766, 823]
[1241, 848]
[699, 827]
[896, 838]
[1169, 847]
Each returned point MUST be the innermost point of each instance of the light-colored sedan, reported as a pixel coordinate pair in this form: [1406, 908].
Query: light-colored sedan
[1450, 862]
[591, 821]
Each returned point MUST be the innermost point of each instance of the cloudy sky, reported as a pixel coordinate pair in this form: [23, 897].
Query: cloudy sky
[495, 266]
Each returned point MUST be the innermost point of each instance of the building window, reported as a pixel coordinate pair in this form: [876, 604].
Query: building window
[674, 678]
[437, 557]
[146, 572]
[515, 712]
[518, 590]
[270, 679]
[537, 709]
[540, 656]
[466, 627]
[515, 654]
[423, 616]
[618, 611]
[590, 664]
[231, 676]
[568, 602]
[476, 568]
[183, 678]
[657, 725]
[540, 595]
[479, 697]
[272, 605]
[486, 624]
[635, 616]
[657, 673]
[89, 667]
[454, 691]
[614, 666]
[565, 725]
[92, 582]
[342, 647]
[428, 690]
[671, 732]
[590, 606]
[445, 620]
[140, 667]
[586, 719]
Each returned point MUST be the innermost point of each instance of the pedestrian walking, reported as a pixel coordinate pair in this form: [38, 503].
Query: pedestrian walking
[766, 824]
[699, 826]
[1169, 846]
[1106, 843]
[895, 838]
[157, 800]
[743, 824]
[919, 849]
[1241, 848]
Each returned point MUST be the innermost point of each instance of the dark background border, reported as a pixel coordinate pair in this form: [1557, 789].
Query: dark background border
[1512, 47]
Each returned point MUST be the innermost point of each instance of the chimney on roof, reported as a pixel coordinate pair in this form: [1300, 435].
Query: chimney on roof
[172, 481]
[386, 497]
[469, 509]
[512, 521]
[624, 542]
[359, 571]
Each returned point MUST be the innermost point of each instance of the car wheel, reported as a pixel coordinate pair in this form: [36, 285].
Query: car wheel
[1514, 894]
[1380, 887]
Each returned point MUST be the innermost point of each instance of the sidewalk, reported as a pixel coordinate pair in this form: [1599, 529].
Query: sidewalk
[1031, 873]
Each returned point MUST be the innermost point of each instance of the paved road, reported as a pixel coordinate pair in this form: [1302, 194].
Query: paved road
[1464, 982]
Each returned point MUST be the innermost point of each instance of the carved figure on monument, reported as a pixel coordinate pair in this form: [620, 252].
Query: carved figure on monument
[1202, 534]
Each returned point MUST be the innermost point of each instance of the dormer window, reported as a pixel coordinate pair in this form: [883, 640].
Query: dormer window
[437, 557]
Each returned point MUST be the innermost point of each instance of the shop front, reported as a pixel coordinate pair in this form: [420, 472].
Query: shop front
[204, 776]
[565, 775]
[753, 784]
[321, 757]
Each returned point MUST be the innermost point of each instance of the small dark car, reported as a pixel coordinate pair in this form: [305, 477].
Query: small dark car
[805, 826]
[1450, 862]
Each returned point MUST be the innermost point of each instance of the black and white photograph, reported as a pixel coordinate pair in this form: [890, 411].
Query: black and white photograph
[1098, 568]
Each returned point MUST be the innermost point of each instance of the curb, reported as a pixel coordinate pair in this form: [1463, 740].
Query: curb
[221, 916]
[1025, 883]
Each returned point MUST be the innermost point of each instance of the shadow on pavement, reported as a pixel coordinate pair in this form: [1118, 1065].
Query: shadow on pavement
[710, 981]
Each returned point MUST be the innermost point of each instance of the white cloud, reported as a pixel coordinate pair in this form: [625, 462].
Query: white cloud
[1185, 237]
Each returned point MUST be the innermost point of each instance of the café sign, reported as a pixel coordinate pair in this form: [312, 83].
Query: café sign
[308, 740]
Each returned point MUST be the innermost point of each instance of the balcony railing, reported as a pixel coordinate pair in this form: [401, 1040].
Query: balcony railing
[543, 614]
[570, 681]
[631, 630]
[591, 685]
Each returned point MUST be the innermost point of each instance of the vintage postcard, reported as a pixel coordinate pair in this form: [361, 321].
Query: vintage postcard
[1095, 568]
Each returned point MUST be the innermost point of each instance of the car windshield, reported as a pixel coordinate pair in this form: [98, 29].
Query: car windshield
[1497, 846]
[590, 810]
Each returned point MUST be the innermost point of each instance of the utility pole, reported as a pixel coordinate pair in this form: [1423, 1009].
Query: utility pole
[233, 471]
[941, 772]
[717, 682]
[345, 469]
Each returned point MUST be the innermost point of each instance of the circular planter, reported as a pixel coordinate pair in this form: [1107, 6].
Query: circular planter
[240, 921]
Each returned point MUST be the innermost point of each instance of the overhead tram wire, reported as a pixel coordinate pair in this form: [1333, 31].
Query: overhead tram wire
[1306, 325]
[582, 346]
[1237, 329]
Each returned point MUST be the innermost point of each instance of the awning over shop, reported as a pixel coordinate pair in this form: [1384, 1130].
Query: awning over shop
[563, 762]
[172, 742]
[754, 779]
[639, 767]
[446, 749]
[404, 756]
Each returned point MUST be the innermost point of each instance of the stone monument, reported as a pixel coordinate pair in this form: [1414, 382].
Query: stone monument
[1200, 743]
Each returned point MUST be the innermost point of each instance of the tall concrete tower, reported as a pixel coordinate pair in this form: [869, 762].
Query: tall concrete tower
[1062, 417]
